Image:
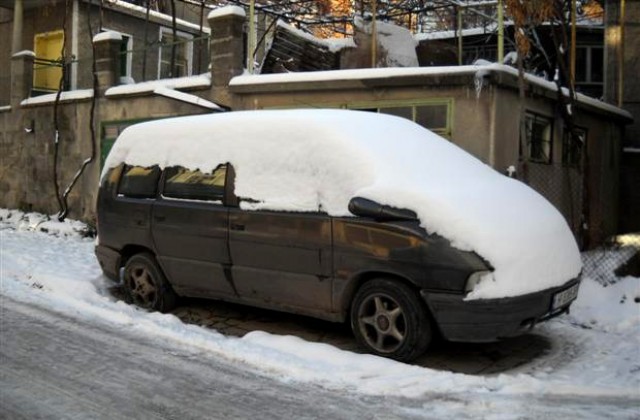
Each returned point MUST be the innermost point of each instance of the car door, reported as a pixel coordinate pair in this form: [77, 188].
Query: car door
[189, 226]
[282, 259]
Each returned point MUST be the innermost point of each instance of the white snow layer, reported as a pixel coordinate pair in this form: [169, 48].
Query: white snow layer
[107, 36]
[188, 82]
[226, 11]
[311, 160]
[333, 44]
[398, 44]
[61, 274]
[67, 96]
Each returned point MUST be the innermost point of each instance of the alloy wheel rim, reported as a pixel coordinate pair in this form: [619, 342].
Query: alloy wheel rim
[142, 286]
[382, 323]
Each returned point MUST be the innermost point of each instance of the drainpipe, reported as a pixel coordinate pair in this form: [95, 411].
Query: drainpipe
[252, 36]
[18, 17]
[459, 17]
[621, 55]
[374, 35]
[500, 32]
[74, 44]
[572, 56]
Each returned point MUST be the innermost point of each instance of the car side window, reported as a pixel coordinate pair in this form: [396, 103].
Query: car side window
[139, 182]
[187, 184]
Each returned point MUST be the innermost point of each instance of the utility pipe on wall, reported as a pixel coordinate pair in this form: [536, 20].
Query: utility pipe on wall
[621, 55]
[18, 18]
[572, 54]
[374, 34]
[500, 32]
[252, 36]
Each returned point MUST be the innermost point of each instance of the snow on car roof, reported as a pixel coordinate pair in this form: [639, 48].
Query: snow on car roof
[310, 160]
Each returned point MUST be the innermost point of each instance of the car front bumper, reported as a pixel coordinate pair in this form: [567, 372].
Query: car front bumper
[486, 320]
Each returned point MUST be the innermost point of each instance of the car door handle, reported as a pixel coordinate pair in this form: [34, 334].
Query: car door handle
[237, 227]
[159, 218]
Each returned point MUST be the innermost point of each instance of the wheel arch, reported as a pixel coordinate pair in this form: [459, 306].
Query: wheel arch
[129, 251]
[359, 279]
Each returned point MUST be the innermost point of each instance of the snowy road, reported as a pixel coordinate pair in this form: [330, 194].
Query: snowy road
[56, 367]
[61, 368]
[70, 350]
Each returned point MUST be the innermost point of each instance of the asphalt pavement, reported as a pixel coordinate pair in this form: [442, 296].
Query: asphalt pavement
[54, 367]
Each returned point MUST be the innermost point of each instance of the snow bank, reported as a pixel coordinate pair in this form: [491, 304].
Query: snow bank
[310, 160]
[613, 307]
[38, 222]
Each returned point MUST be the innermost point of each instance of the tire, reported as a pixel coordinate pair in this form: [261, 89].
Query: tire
[388, 319]
[146, 286]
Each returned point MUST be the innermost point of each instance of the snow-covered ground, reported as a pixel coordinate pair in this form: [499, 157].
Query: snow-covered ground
[595, 351]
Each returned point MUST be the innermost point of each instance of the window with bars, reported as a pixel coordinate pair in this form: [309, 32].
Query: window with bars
[538, 144]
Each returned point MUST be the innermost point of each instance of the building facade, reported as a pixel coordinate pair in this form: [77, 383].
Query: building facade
[476, 107]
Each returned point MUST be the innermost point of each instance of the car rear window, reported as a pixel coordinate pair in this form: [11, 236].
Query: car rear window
[188, 184]
[139, 182]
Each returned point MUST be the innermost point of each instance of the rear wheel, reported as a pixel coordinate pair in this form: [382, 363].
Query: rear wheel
[145, 284]
[388, 318]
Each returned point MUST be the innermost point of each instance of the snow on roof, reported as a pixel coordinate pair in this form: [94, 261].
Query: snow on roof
[453, 34]
[227, 11]
[188, 98]
[310, 160]
[67, 96]
[354, 74]
[397, 72]
[397, 42]
[24, 53]
[491, 28]
[107, 36]
[141, 11]
[333, 44]
[189, 82]
[5, 108]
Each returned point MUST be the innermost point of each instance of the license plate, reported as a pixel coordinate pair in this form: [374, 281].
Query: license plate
[560, 299]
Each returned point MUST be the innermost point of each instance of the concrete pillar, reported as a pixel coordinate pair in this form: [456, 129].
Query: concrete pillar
[16, 39]
[227, 44]
[21, 76]
[107, 59]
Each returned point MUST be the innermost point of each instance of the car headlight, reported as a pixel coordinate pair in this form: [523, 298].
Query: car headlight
[475, 279]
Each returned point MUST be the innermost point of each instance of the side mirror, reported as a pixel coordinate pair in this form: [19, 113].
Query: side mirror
[363, 207]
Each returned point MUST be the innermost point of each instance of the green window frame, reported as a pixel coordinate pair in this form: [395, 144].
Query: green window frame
[415, 110]
[435, 114]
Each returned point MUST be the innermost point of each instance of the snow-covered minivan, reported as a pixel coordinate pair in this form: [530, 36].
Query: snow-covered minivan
[336, 214]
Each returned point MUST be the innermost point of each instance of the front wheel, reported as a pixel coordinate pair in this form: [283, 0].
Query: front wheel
[145, 284]
[388, 319]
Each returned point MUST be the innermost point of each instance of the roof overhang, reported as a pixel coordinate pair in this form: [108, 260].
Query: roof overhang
[497, 74]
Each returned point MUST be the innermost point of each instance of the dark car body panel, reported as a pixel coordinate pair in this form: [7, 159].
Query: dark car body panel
[190, 241]
[306, 263]
[282, 258]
